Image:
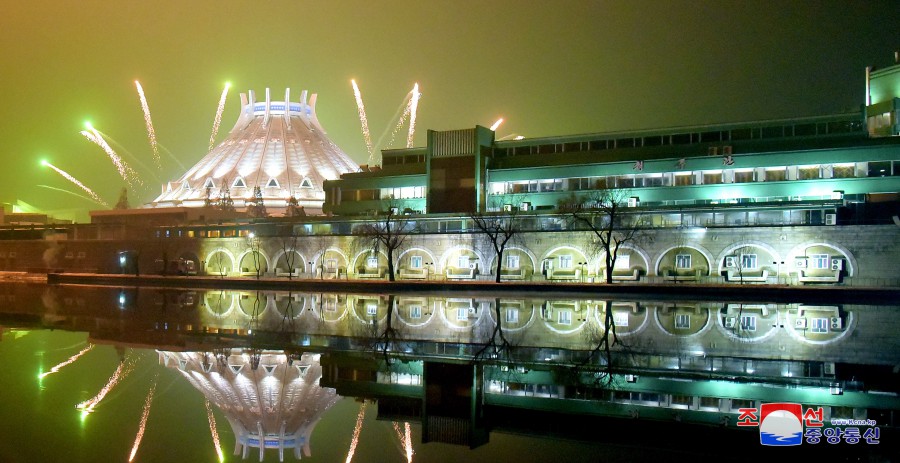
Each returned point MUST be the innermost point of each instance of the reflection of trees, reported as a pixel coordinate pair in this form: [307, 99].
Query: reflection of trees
[497, 345]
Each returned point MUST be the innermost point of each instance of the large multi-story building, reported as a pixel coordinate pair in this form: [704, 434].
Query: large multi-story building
[805, 200]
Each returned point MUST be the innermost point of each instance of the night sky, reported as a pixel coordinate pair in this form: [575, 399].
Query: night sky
[548, 68]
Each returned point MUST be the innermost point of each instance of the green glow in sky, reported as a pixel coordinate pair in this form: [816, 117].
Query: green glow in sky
[583, 68]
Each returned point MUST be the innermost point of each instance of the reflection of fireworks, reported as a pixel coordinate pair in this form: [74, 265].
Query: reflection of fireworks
[413, 106]
[67, 362]
[362, 117]
[143, 425]
[125, 171]
[121, 372]
[356, 430]
[405, 438]
[214, 431]
[72, 179]
[496, 124]
[150, 132]
[218, 119]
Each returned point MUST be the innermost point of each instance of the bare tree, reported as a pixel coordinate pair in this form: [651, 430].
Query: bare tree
[605, 214]
[289, 250]
[256, 207]
[388, 230]
[500, 229]
[253, 242]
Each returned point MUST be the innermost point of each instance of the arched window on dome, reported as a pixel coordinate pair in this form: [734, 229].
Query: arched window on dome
[306, 183]
[209, 183]
[186, 186]
[239, 183]
[273, 183]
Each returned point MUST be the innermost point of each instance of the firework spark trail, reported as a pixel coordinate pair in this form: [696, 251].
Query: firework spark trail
[67, 362]
[172, 156]
[218, 119]
[125, 171]
[356, 430]
[151, 134]
[214, 431]
[496, 124]
[405, 438]
[402, 112]
[72, 179]
[122, 149]
[362, 117]
[121, 372]
[413, 106]
[144, 416]
[66, 191]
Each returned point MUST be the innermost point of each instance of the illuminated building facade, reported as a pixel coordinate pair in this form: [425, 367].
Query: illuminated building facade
[277, 146]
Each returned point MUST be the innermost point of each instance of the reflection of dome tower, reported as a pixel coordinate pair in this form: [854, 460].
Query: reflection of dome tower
[275, 406]
[278, 146]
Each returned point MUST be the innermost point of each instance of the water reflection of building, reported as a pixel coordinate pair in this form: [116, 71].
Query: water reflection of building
[272, 400]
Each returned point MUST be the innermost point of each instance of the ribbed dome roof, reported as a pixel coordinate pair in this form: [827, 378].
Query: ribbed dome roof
[278, 146]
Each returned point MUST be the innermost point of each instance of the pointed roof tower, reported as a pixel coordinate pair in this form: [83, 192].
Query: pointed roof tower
[279, 146]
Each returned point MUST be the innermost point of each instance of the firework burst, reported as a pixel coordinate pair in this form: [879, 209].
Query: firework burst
[151, 133]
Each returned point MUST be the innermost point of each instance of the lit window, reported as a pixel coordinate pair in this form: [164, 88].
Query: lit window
[512, 262]
[512, 316]
[415, 312]
[371, 309]
[372, 262]
[565, 261]
[820, 261]
[415, 262]
[331, 265]
[819, 325]
[565, 317]
[462, 314]
[623, 262]
[682, 321]
[748, 322]
[749, 262]
[462, 262]
[683, 261]
[620, 318]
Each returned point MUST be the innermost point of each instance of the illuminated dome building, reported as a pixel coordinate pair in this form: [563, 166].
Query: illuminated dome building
[270, 402]
[278, 146]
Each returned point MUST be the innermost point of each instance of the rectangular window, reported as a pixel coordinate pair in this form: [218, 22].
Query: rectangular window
[415, 312]
[230, 233]
[880, 169]
[620, 318]
[749, 262]
[712, 177]
[808, 172]
[512, 262]
[623, 262]
[512, 316]
[682, 321]
[331, 265]
[684, 178]
[730, 261]
[215, 233]
[844, 171]
[819, 325]
[743, 176]
[462, 314]
[565, 262]
[372, 262]
[683, 261]
[371, 309]
[415, 262]
[748, 322]
[776, 174]
[462, 262]
[565, 317]
[820, 261]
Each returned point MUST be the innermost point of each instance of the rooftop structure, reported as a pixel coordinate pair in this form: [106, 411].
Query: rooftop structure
[277, 147]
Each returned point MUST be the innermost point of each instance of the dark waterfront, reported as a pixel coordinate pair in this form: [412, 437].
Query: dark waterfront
[480, 376]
